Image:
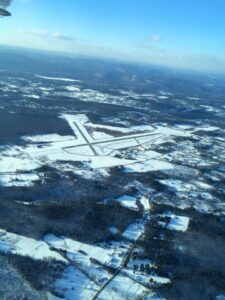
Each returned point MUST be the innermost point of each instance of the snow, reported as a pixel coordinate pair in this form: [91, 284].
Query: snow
[125, 287]
[18, 244]
[206, 128]
[162, 97]
[128, 202]
[207, 196]
[97, 162]
[48, 138]
[19, 180]
[183, 126]
[202, 185]
[145, 202]
[33, 96]
[45, 89]
[80, 150]
[74, 285]
[73, 247]
[92, 174]
[79, 122]
[53, 297]
[148, 166]
[178, 223]
[178, 185]
[58, 78]
[72, 88]
[168, 131]
[147, 155]
[14, 164]
[138, 262]
[96, 150]
[133, 129]
[120, 144]
[220, 297]
[113, 230]
[193, 98]
[94, 271]
[190, 187]
[135, 230]
[143, 278]
[98, 135]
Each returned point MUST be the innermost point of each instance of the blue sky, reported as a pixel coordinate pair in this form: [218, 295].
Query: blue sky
[180, 33]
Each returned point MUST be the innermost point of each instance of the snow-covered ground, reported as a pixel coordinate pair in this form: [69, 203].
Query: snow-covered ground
[57, 78]
[21, 245]
[145, 203]
[90, 275]
[75, 285]
[148, 166]
[85, 280]
[94, 145]
[19, 180]
[176, 185]
[143, 278]
[125, 288]
[135, 230]
[48, 138]
[74, 249]
[128, 202]
[179, 223]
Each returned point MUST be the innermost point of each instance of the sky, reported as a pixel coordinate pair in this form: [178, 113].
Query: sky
[178, 33]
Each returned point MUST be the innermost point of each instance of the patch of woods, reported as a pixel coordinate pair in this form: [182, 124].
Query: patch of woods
[86, 221]
[12, 280]
[193, 260]
[40, 274]
[70, 187]
[29, 123]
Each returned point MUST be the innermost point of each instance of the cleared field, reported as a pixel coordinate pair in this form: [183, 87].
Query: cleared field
[95, 149]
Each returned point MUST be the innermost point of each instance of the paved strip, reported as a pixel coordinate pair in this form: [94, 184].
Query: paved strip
[85, 138]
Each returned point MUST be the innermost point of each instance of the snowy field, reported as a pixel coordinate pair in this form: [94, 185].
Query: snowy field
[21, 245]
[86, 270]
[95, 146]
[91, 272]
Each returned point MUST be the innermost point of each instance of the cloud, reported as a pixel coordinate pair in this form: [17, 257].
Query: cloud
[192, 61]
[148, 51]
[62, 37]
[48, 35]
[152, 44]
[155, 38]
[37, 33]
[202, 62]
[149, 46]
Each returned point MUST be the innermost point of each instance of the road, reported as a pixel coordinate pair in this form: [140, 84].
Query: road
[118, 139]
[85, 138]
[123, 264]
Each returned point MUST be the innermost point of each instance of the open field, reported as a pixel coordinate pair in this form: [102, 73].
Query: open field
[111, 181]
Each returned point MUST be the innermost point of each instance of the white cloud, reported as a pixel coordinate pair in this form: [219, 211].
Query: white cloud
[152, 45]
[63, 37]
[144, 51]
[155, 38]
[46, 35]
[37, 33]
